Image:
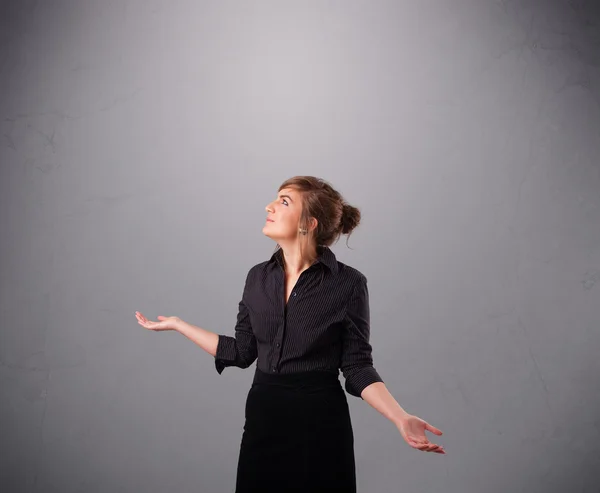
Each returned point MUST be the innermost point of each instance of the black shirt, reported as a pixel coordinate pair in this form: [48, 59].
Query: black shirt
[324, 326]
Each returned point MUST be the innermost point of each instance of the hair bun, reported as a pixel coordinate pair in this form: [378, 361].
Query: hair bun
[350, 218]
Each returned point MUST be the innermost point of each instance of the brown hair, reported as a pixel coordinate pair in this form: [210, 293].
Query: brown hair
[320, 200]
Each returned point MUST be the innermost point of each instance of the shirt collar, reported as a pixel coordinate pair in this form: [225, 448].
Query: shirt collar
[324, 255]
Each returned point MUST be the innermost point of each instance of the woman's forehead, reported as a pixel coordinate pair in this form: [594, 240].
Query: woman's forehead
[289, 192]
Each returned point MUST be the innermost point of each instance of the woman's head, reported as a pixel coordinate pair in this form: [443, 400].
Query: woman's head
[310, 211]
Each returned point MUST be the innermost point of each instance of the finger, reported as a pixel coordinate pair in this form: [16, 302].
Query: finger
[430, 447]
[439, 449]
[433, 429]
[419, 446]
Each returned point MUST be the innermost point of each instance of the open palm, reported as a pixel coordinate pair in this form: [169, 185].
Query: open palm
[164, 323]
[412, 429]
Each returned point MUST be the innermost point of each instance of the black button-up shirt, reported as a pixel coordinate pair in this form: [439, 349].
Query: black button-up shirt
[323, 326]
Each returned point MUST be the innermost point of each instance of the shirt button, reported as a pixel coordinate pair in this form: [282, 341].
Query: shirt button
[277, 344]
[294, 293]
[274, 369]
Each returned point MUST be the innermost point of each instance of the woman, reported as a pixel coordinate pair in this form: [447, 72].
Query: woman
[303, 316]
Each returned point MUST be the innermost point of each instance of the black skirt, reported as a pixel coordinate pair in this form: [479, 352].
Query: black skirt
[297, 436]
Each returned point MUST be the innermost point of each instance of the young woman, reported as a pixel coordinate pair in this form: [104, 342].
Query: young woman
[303, 316]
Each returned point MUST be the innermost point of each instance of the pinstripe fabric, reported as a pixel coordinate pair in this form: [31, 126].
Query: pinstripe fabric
[324, 325]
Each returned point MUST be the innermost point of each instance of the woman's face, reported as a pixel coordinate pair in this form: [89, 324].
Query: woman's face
[283, 216]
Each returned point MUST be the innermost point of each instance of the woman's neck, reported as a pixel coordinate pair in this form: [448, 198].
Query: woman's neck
[294, 264]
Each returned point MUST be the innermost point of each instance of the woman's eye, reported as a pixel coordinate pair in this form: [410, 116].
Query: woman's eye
[284, 201]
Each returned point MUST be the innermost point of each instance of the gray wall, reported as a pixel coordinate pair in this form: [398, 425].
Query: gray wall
[140, 144]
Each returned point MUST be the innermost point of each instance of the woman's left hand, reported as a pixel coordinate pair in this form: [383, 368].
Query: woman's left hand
[412, 429]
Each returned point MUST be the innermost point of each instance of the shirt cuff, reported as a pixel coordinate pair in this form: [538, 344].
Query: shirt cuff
[226, 352]
[360, 380]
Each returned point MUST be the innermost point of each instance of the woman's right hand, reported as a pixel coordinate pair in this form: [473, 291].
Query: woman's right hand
[164, 323]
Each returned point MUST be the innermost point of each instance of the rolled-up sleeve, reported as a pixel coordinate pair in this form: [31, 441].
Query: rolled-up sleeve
[241, 350]
[357, 361]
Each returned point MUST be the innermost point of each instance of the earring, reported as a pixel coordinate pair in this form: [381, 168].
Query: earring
[303, 231]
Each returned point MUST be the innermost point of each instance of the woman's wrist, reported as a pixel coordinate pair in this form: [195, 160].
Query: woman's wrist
[179, 325]
[400, 417]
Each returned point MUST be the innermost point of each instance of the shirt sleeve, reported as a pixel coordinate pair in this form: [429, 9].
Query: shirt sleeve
[357, 361]
[241, 350]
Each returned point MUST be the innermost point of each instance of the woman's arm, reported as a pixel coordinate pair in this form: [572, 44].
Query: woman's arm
[356, 361]
[365, 382]
[412, 428]
[240, 351]
[228, 351]
[379, 397]
[205, 339]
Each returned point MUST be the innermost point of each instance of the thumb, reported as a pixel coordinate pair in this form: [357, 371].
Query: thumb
[433, 429]
[160, 317]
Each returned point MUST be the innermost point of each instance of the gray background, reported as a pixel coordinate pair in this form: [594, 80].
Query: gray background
[140, 143]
